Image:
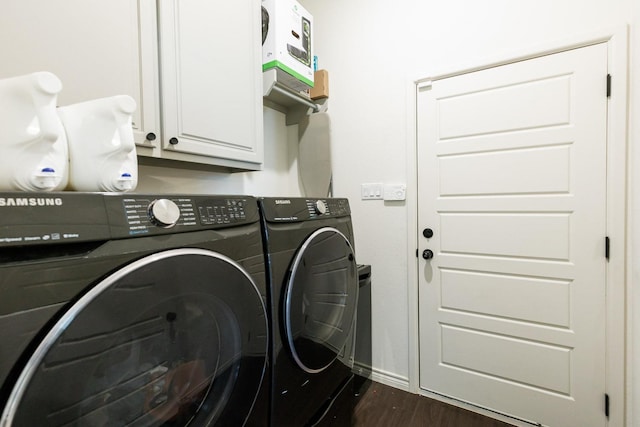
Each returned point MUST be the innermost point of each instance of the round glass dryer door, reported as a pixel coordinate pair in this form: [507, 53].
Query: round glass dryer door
[177, 338]
[321, 299]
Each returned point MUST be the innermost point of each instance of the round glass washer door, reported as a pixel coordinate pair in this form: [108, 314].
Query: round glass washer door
[176, 338]
[320, 299]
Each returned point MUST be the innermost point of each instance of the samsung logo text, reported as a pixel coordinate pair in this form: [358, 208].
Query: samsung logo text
[30, 201]
[283, 202]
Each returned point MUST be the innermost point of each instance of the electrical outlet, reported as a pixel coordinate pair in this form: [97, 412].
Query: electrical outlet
[371, 191]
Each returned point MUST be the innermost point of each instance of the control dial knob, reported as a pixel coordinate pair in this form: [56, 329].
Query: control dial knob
[321, 207]
[164, 213]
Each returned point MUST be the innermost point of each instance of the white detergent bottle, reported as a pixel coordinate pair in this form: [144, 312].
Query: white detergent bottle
[102, 152]
[33, 144]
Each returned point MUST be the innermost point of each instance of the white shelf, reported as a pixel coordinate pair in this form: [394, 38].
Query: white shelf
[281, 98]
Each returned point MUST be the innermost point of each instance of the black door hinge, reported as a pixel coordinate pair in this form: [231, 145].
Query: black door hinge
[608, 85]
[606, 405]
[607, 245]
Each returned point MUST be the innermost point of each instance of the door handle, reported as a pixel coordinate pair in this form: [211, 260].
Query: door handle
[427, 254]
[428, 233]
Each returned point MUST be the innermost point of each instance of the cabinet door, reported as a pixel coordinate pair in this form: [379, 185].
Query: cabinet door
[211, 80]
[95, 47]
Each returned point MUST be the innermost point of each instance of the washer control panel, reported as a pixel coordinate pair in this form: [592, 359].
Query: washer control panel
[132, 215]
[145, 213]
[53, 218]
[223, 211]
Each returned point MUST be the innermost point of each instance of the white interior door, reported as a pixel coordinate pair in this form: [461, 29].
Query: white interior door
[512, 174]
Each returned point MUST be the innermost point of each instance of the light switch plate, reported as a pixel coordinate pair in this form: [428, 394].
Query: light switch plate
[371, 191]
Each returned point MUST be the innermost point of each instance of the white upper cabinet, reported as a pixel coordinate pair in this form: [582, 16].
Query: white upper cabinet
[193, 67]
[93, 46]
[211, 78]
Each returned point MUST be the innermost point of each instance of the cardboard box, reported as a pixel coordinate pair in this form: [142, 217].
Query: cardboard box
[287, 42]
[320, 87]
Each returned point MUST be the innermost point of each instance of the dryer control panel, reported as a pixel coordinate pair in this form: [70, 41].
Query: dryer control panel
[295, 209]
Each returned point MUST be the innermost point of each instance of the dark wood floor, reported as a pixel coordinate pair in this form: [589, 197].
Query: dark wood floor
[378, 405]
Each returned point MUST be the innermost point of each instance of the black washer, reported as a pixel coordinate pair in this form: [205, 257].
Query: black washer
[111, 320]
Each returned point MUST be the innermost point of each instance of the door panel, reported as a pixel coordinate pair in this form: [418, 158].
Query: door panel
[512, 178]
[520, 297]
[493, 110]
[502, 356]
[546, 235]
[516, 171]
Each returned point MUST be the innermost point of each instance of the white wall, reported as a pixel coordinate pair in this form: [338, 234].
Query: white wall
[373, 49]
[366, 61]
